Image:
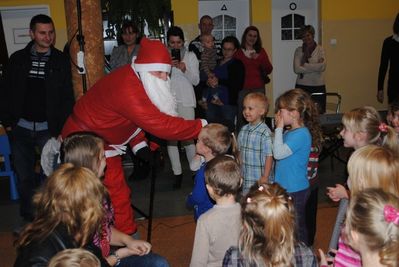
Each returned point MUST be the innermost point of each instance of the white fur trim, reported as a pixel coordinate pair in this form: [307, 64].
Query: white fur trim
[204, 122]
[152, 67]
[139, 146]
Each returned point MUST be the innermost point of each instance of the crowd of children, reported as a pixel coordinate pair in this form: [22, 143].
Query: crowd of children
[274, 196]
[249, 197]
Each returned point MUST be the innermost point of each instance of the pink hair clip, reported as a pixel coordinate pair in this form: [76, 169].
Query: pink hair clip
[383, 127]
[249, 200]
[261, 188]
[391, 214]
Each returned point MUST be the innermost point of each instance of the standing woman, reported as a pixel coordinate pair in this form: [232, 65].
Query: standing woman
[128, 48]
[184, 76]
[229, 80]
[257, 67]
[310, 64]
[390, 56]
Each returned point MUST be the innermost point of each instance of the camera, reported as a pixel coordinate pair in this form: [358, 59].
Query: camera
[175, 54]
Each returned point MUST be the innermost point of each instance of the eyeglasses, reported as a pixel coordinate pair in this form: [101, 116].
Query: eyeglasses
[228, 49]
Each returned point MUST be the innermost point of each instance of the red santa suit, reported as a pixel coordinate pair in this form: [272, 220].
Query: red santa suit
[115, 108]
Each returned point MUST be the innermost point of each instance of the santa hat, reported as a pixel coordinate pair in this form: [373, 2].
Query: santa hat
[152, 56]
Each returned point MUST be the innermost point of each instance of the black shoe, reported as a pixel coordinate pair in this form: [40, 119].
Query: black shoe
[178, 181]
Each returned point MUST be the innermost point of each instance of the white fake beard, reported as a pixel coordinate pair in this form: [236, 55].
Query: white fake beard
[159, 93]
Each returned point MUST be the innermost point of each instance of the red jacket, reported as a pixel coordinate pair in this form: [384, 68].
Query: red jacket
[253, 68]
[117, 105]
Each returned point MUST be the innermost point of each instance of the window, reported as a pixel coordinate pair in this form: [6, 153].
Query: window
[224, 25]
[291, 25]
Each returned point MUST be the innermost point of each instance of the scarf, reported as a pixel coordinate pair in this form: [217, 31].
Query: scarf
[307, 52]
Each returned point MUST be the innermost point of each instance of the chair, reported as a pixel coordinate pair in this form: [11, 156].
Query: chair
[5, 152]
[331, 126]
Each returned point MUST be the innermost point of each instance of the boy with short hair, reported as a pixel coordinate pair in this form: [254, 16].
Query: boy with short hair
[255, 143]
[219, 227]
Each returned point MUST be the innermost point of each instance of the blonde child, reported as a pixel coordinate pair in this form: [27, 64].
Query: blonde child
[362, 126]
[372, 228]
[218, 228]
[291, 150]
[369, 167]
[255, 142]
[267, 234]
[87, 150]
[213, 140]
[76, 257]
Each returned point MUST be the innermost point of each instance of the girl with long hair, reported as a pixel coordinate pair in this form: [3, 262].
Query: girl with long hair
[267, 237]
[296, 112]
[68, 214]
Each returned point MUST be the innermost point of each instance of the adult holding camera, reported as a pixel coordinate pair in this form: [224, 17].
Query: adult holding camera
[184, 75]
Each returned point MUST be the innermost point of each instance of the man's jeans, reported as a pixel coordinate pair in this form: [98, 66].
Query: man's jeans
[25, 145]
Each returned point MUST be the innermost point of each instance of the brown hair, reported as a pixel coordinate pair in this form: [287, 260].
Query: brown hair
[367, 120]
[268, 222]
[219, 139]
[258, 43]
[71, 196]
[299, 100]
[366, 217]
[83, 149]
[223, 174]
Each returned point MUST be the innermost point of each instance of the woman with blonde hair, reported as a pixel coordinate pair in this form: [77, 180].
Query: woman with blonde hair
[267, 234]
[65, 217]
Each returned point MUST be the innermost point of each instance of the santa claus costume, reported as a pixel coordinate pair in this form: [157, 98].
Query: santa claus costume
[116, 108]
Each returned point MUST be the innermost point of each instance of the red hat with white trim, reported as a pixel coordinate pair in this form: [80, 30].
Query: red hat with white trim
[152, 56]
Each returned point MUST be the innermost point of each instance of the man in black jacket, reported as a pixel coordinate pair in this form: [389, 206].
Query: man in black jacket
[36, 99]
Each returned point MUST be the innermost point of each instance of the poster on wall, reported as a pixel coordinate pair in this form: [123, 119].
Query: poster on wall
[16, 24]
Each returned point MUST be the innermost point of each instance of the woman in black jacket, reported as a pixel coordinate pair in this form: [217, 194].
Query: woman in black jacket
[68, 213]
[227, 82]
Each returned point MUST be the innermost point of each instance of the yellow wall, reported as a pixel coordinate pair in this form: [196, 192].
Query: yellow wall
[359, 26]
[57, 13]
[352, 64]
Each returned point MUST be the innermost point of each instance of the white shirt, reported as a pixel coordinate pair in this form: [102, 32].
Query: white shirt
[182, 83]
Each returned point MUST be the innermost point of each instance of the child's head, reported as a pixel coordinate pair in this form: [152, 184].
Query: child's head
[373, 166]
[255, 106]
[363, 126]
[297, 107]
[71, 196]
[393, 115]
[76, 257]
[207, 41]
[222, 176]
[216, 138]
[268, 220]
[372, 225]
[85, 149]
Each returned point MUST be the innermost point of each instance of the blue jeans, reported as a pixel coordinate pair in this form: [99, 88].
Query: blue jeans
[149, 260]
[300, 198]
[224, 114]
[24, 144]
